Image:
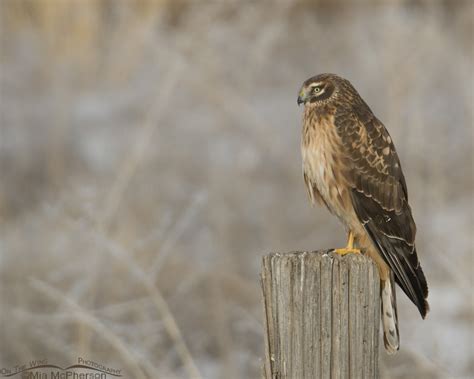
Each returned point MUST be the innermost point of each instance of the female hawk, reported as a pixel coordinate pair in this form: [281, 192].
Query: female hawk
[351, 166]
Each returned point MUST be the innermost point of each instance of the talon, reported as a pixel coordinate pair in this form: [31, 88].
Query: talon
[345, 251]
[349, 248]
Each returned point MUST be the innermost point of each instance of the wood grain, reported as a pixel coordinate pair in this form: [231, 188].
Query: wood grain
[322, 315]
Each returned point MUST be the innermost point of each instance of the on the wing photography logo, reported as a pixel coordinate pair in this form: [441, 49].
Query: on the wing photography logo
[42, 369]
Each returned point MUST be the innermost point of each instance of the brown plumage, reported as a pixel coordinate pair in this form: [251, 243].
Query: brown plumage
[351, 166]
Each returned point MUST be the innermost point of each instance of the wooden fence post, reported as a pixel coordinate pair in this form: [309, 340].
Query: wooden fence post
[322, 315]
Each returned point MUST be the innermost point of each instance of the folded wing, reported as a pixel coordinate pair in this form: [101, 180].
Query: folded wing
[380, 199]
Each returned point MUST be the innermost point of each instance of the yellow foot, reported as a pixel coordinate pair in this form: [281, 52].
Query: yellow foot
[346, 250]
[350, 246]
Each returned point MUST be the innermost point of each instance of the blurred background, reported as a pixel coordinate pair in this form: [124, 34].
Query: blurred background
[149, 157]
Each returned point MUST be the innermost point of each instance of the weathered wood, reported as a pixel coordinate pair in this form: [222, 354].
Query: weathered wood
[322, 315]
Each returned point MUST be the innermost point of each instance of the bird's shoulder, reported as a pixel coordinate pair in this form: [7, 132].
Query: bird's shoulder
[374, 165]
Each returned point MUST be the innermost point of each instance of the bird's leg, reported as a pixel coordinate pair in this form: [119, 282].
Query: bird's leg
[350, 246]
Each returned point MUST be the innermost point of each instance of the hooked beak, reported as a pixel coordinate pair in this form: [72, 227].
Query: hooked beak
[301, 97]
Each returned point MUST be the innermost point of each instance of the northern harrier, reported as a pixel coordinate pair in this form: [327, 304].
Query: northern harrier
[351, 166]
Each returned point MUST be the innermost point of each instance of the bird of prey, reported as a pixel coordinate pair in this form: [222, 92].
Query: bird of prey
[350, 165]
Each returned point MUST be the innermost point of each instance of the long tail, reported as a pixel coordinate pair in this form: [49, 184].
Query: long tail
[391, 337]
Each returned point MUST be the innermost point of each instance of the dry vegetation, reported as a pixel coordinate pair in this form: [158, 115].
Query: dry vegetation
[149, 156]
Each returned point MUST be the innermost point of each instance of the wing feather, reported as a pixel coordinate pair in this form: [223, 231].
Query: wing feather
[380, 198]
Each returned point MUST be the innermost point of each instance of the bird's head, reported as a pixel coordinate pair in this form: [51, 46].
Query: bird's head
[319, 89]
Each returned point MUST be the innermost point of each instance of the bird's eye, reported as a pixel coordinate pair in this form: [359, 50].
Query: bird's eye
[317, 89]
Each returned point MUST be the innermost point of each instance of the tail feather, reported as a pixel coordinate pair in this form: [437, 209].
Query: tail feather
[391, 336]
[393, 234]
[403, 261]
